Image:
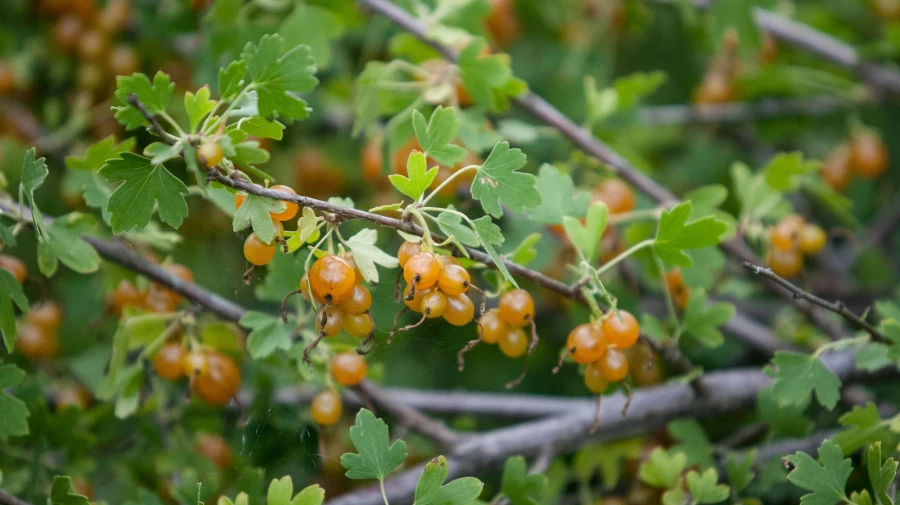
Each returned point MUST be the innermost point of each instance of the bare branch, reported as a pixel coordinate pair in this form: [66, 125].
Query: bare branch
[8, 499]
[743, 111]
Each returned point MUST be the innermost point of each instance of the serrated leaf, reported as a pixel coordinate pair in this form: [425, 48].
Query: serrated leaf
[863, 426]
[702, 320]
[267, 334]
[153, 96]
[675, 234]
[375, 457]
[784, 420]
[64, 243]
[313, 26]
[261, 127]
[873, 356]
[499, 181]
[489, 234]
[160, 152]
[255, 211]
[586, 237]
[632, 88]
[431, 490]
[827, 480]
[367, 254]
[693, 442]
[198, 105]
[740, 473]
[62, 492]
[277, 76]
[451, 224]
[95, 156]
[663, 468]
[881, 475]
[558, 197]
[231, 79]
[281, 492]
[705, 488]
[782, 172]
[144, 186]
[419, 176]
[487, 78]
[308, 223]
[14, 421]
[34, 171]
[710, 196]
[520, 487]
[797, 375]
[10, 293]
[435, 137]
[525, 252]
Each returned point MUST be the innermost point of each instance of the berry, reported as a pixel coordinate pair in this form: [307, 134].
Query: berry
[14, 266]
[370, 160]
[868, 155]
[220, 382]
[616, 194]
[621, 330]
[210, 154]
[785, 263]
[72, 394]
[332, 279]
[836, 170]
[7, 79]
[513, 343]
[517, 307]
[169, 361]
[359, 302]
[460, 310]
[716, 87]
[35, 343]
[239, 199]
[46, 316]
[214, 448]
[447, 259]
[358, 325]
[115, 16]
[326, 408]
[348, 369]
[124, 60]
[812, 239]
[66, 32]
[454, 279]
[644, 365]
[586, 343]
[333, 316]
[502, 23]
[408, 250]
[182, 272]
[434, 304]
[613, 365]
[256, 252]
[785, 237]
[92, 45]
[304, 287]
[415, 304]
[423, 269]
[126, 294]
[160, 300]
[290, 208]
[195, 363]
[491, 327]
[593, 380]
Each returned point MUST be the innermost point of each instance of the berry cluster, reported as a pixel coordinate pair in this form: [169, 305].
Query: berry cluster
[504, 325]
[347, 369]
[39, 331]
[256, 251]
[600, 346]
[865, 156]
[791, 239]
[214, 377]
[337, 284]
[155, 299]
[436, 285]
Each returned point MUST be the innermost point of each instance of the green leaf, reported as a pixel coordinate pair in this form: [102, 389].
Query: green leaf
[451, 224]
[784, 420]
[487, 78]
[827, 480]
[267, 334]
[498, 180]
[160, 152]
[702, 321]
[609, 458]
[14, 421]
[431, 490]
[863, 427]
[419, 178]
[663, 468]
[710, 196]
[735, 16]
[881, 475]
[675, 234]
[435, 137]
[367, 254]
[861, 498]
[154, 97]
[310, 495]
[782, 172]
[255, 210]
[558, 197]
[704, 488]
[525, 252]
[315, 27]
[873, 356]
[281, 492]
[143, 186]
[675, 496]
[34, 171]
[277, 76]
[231, 79]
[198, 106]
[10, 292]
[376, 457]
[740, 473]
[586, 237]
[6, 236]
[62, 492]
[95, 156]
[693, 442]
[64, 243]
[797, 375]
[634, 87]
[520, 487]
[489, 234]
[261, 127]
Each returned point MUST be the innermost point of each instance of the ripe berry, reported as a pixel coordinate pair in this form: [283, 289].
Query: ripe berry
[47, 316]
[169, 361]
[680, 293]
[517, 307]
[785, 263]
[423, 270]
[502, 23]
[14, 266]
[35, 343]
[210, 154]
[331, 279]
[220, 382]
[415, 304]
[644, 366]
[786, 234]
[716, 87]
[256, 252]
[66, 32]
[370, 160]
[160, 300]
[290, 208]
[868, 155]
[326, 408]
[195, 363]
[239, 199]
[348, 369]
[182, 272]
[460, 310]
[836, 170]
[514, 342]
[447, 259]
[92, 45]
[359, 302]
[586, 343]
[812, 239]
[214, 448]
[358, 325]
[126, 294]
[454, 279]
[621, 330]
[434, 304]
[408, 250]
[72, 394]
[616, 194]
[613, 365]
[304, 287]
[332, 326]
[491, 327]
[593, 380]
[115, 16]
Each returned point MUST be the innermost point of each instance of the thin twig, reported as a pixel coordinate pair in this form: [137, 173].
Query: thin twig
[154, 122]
[409, 417]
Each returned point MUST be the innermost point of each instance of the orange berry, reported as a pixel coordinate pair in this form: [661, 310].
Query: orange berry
[358, 276]
[812, 239]
[644, 365]
[517, 307]
[47, 316]
[513, 343]
[836, 170]
[434, 304]
[169, 361]
[256, 252]
[460, 310]
[408, 250]
[291, 208]
[126, 294]
[621, 330]
[210, 154]
[454, 279]
[593, 380]
[348, 369]
[359, 302]
[326, 408]
[785, 263]
[34, 343]
[868, 155]
[14, 266]
[332, 279]
[616, 194]
[423, 269]
[72, 394]
[195, 363]
[333, 315]
[586, 343]
[239, 199]
[415, 304]
[491, 327]
[220, 382]
[358, 325]
[214, 448]
[613, 365]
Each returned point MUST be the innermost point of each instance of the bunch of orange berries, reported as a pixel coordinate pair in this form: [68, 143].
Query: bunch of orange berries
[436, 285]
[214, 377]
[156, 299]
[337, 284]
[791, 239]
[600, 346]
[504, 325]
[256, 251]
[865, 156]
[347, 369]
[38, 331]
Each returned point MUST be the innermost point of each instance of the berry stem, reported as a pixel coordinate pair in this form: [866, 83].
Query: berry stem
[625, 254]
[449, 180]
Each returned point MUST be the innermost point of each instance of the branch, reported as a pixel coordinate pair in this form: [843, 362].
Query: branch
[742, 111]
[154, 122]
[8, 499]
[837, 307]
[412, 418]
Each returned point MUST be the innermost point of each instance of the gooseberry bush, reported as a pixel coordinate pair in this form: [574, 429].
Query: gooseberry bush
[237, 238]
